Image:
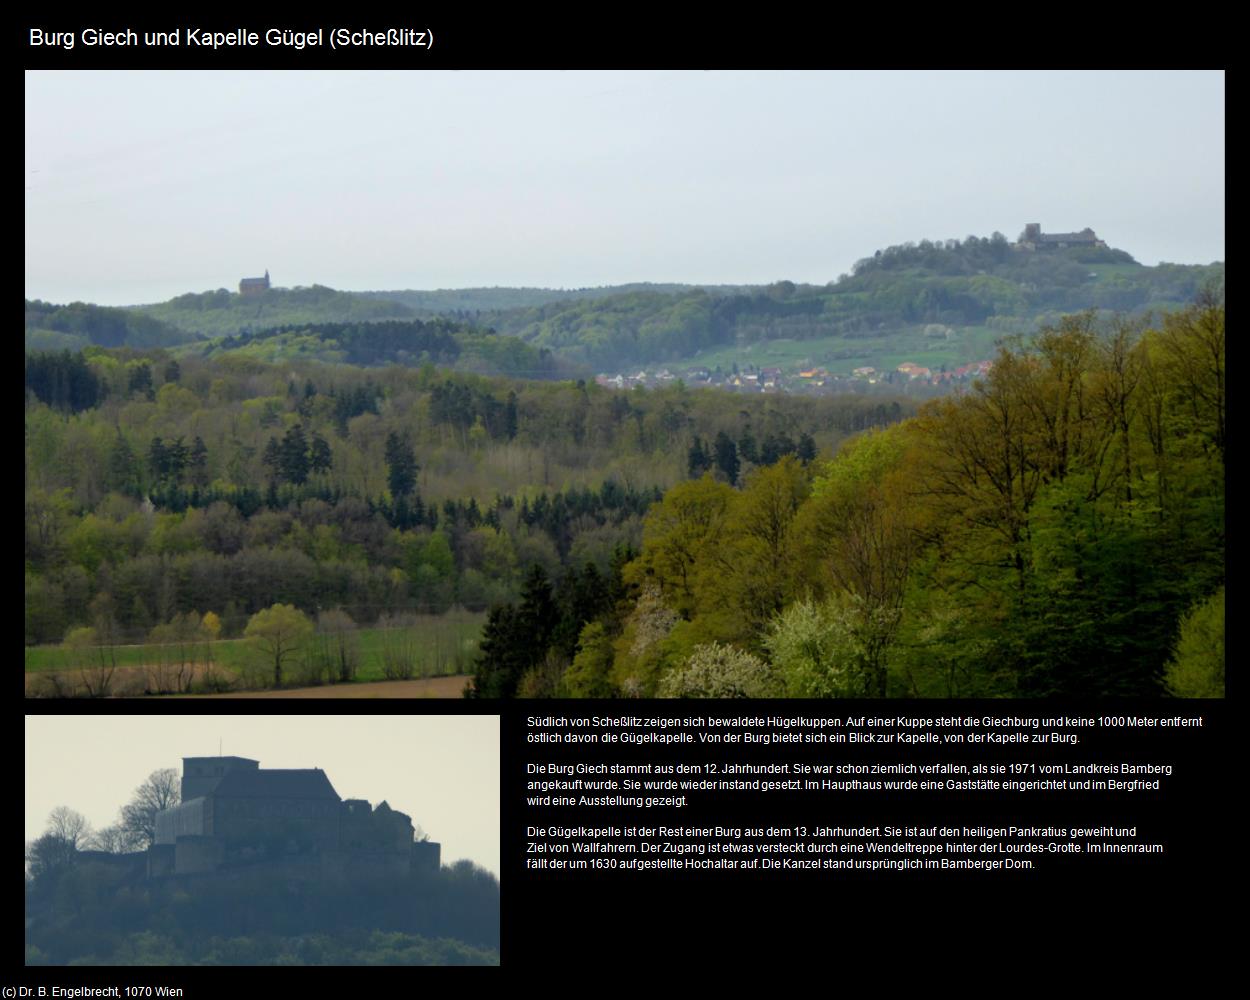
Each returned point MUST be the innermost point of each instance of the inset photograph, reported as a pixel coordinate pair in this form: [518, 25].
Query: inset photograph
[262, 840]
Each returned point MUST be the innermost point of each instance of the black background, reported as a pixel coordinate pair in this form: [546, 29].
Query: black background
[800, 914]
[1122, 917]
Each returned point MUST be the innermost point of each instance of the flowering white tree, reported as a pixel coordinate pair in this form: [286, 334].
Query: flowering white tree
[718, 671]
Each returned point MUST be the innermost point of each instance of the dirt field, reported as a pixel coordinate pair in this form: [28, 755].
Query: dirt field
[433, 687]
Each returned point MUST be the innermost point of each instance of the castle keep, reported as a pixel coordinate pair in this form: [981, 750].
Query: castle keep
[234, 813]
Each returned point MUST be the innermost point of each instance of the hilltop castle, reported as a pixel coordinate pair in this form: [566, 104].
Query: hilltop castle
[1034, 239]
[234, 814]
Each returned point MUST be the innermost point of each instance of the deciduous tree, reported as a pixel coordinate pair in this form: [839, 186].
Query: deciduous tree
[279, 632]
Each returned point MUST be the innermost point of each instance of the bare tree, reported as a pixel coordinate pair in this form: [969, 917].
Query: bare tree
[115, 839]
[58, 848]
[69, 826]
[161, 791]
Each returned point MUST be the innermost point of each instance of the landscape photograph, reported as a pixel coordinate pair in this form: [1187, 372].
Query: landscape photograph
[659, 384]
[262, 840]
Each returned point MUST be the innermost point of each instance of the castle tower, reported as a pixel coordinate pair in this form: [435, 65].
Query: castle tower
[200, 775]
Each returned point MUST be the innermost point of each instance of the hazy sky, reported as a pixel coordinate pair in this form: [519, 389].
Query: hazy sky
[142, 185]
[442, 770]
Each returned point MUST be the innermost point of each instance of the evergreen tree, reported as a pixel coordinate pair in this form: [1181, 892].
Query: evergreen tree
[401, 465]
[293, 456]
[501, 660]
[157, 460]
[697, 461]
[510, 416]
[727, 458]
[123, 471]
[176, 457]
[747, 447]
[807, 448]
[272, 457]
[199, 462]
[320, 458]
[141, 381]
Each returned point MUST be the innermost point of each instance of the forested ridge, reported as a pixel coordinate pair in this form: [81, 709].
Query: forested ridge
[978, 282]
[160, 488]
[897, 300]
[1057, 529]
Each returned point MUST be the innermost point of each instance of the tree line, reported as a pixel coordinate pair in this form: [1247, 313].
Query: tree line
[88, 901]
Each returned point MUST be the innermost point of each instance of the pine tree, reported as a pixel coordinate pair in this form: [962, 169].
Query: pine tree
[123, 470]
[401, 465]
[697, 461]
[320, 458]
[727, 458]
[199, 462]
[293, 456]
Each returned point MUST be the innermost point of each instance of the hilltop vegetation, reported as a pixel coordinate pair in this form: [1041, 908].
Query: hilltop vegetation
[79, 325]
[979, 282]
[225, 313]
[439, 342]
[467, 303]
[80, 911]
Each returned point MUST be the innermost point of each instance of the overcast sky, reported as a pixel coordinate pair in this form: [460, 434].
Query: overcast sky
[442, 770]
[143, 185]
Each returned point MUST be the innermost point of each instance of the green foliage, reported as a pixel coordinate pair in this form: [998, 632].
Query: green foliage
[590, 673]
[687, 523]
[64, 381]
[401, 465]
[1040, 534]
[412, 343]
[279, 633]
[1196, 669]
[974, 283]
[103, 325]
[223, 312]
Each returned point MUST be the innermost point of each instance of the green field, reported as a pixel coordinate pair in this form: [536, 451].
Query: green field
[439, 645]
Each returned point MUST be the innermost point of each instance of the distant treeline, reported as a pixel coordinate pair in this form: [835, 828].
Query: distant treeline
[466, 303]
[441, 342]
[86, 912]
[84, 324]
[222, 312]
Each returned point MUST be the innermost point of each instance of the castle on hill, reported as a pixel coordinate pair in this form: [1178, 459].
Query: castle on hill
[1034, 239]
[235, 815]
